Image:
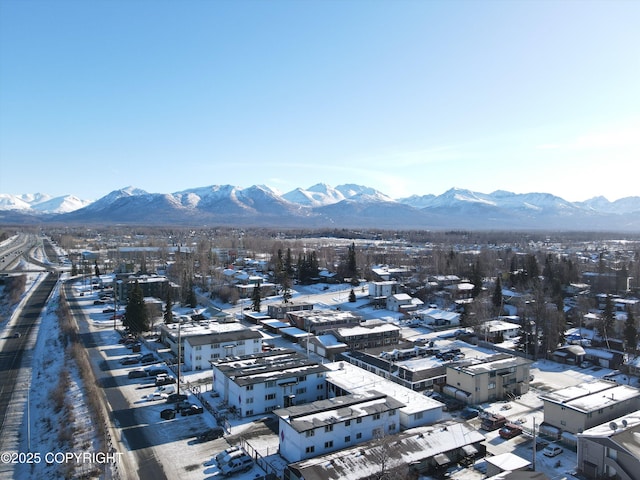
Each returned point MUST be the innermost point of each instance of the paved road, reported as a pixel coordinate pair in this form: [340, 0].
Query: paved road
[122, 415]
[13, 348]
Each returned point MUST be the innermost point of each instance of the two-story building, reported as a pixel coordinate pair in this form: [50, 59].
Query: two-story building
[368, 334]
[580, 407]
[497, 377]
[262, 382]
[200, 350]
[318, 321]
[418, 410]
[611, 450]
[325, 426]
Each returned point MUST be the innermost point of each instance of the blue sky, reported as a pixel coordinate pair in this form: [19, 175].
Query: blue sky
[409, 97]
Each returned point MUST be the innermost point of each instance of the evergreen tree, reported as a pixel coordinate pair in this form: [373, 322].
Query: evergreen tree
[630, 333]
[607, 321]
[96, 269]
[192, 301]
[256, 298]
[136, 318]
[352, 296]
[168, 309]
[476, 279]
[496, 299]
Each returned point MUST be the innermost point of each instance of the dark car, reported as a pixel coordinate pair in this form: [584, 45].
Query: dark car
[130, 361]
[108, 310]
[148, 358]
[168, 414]
[155, 371]
[99, 302]
[164, 380]
[176, 398]
[192, 410]
[137, 374]
[211, 434]
[468, 413]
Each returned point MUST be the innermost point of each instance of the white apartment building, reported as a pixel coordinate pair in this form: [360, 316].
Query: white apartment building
[200, 350]
[262, 382]
[328, 425]
[418, 410]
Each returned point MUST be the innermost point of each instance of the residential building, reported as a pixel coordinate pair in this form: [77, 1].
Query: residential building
[497, 377]
[325, 426]
[402, 302]
[418, 410]
[200, 350]
[419, 451]
[262, 382]
[611, 450]
[368, 334]
[581, 407]
[318, 321]
[279, 310]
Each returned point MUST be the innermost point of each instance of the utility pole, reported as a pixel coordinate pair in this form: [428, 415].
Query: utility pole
[533, 464]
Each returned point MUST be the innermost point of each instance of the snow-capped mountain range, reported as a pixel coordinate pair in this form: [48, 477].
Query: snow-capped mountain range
[344, 206]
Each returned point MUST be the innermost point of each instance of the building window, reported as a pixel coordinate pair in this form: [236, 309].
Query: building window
[310, 449]
[270, 384]
[319, 387]
[198, 347]
[270, 396]
[248, 413]
[328, 444]
[392, 413]
[347, 439]
[358, 436]
[417, 416]
[358, 420]
[392, 427]
[249, 387]
[328, 428]
[347, 423]
[302, 379]
[300, 391]
[249, 400]
[491, 385]
[376, 416]
[198, 357]
[216, 345]
[310, 433]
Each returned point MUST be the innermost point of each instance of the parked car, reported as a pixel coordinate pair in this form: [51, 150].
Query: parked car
[137, 374]
[130, 360]
[164, 380]
[243, 463]
[168, 414]
[228, 454]
[148, 358]
[99, 302]
[155, 396]
[17, 335]
[108, 310]
[191, 410]
[155, 371]
[552, 451]
[176, 398]
[168, 389]
[468, 413]
[231, 456]
[510, 430]
[211, 434]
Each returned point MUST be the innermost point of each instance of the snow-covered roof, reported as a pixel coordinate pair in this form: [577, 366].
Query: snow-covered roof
[410, 446]
[587, 397]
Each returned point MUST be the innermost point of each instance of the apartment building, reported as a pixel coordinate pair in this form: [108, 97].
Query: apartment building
[200, 350]
[611, 450]
[581, 407]
[419, 451]
[262, 382]
[418, 410]
[325, 426]
[497, 377]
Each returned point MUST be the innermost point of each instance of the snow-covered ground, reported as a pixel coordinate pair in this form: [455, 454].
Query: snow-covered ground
[172, 441]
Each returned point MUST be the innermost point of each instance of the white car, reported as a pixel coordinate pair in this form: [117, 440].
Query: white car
[155, 396]
[552, 451]
[243, 463]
